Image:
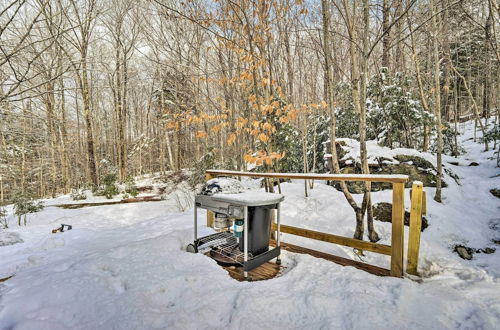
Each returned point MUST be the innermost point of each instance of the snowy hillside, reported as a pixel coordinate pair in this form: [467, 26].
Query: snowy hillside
[124, 266]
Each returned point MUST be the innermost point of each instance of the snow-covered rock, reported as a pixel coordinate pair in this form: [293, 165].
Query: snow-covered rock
[9, 238]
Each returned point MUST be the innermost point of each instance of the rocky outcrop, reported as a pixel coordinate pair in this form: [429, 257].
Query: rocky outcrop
[417, 168]
[426, 175]
[383, 212]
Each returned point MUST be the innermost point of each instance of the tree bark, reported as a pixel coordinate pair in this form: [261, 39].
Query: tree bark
[386, 55]
[437, 102]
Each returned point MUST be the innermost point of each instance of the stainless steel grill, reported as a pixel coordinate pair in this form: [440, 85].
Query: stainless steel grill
[250, 212]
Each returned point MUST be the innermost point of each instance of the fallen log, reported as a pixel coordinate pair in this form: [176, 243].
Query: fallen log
[6, 278]
[123, 201]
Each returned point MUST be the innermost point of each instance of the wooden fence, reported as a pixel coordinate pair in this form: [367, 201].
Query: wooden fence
[395, 250]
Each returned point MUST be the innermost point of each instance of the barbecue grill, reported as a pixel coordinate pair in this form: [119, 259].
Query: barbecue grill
[244, 224]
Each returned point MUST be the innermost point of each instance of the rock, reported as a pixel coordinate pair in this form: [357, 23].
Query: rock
[353, 187]
[495, 192]
[416, 160]
[496, 241]
[274, 182]
[464, 252]
[454, 163]
[415, 173]
[340, 154]
[487, 250]
[383, 212]
[473, 164]
[416, 167]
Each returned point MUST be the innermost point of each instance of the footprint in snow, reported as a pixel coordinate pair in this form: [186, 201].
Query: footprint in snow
[119, 253]
[53, 242]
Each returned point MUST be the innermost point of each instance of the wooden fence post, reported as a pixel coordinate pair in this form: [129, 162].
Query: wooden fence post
[417, 202]
[397, 244]
[210, 214]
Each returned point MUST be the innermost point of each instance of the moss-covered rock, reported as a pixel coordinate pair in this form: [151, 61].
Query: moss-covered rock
[414, 172]
[415, 160]
[495, 192]
[383, 212]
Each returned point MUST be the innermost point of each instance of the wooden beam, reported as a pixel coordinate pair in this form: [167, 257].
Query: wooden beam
[336, 259]
[210, 214]
[415, 228]
[341, 240]
[391, 178]
[397, 244]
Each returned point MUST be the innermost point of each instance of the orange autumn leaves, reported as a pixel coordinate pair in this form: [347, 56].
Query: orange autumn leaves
[260, 127]
[263, 130]
[262, 157]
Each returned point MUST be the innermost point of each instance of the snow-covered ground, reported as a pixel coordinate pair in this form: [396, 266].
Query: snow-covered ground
[124, 267]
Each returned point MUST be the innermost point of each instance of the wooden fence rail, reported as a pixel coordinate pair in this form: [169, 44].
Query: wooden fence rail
[395, 250]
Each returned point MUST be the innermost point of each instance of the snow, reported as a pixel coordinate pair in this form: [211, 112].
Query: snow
[222, 186]
[250, 198]
[9, 238]
[124, 266]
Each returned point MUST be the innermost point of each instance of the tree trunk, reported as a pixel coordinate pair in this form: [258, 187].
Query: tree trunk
[333, 135]
[488, 68]
[437, 103]
[87, 116]
[387, 37]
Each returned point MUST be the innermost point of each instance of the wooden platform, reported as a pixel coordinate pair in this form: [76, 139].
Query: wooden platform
[266, 271]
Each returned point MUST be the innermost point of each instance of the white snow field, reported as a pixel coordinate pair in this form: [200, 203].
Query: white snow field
[125, 267]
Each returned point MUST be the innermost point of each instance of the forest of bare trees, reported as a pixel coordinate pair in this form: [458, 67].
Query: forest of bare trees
[131, 87]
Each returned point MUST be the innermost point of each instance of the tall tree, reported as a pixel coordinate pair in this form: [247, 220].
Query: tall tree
[437, 98]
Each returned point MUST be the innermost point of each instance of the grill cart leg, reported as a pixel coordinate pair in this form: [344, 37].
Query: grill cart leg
[193, 247]
[245, 239]
[278, 260]
[195, 223]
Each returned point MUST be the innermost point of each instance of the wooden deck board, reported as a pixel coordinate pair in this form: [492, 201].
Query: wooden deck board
[266, 271]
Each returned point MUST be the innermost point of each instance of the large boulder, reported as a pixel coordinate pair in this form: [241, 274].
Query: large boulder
[383, 160]
[425, 175]
[383, 212]
[414, 160]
